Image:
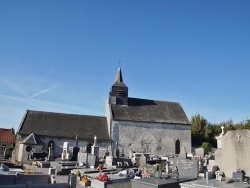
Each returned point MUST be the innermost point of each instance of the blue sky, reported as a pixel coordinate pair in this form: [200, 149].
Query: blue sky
[62, 56]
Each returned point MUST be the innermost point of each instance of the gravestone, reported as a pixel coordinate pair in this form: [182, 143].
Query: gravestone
[82, 157]
[117, 152]
[142, 162]
[91, 160]
[106, 153]
[75, 153]
[199, 151]
[51, 153]
[95, 149]
[186, 167]
[183, 153]
[238, 176]
[209, 171]
[109, 161]
[65, 154]
[122, 153]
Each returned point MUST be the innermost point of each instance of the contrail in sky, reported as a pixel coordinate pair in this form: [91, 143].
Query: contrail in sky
[44, 91]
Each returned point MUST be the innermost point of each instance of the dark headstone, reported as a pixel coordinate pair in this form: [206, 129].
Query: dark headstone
[122, 153]
[117, 152]
[186, 167]
[238, 176]
[75, 153]
[106, 153]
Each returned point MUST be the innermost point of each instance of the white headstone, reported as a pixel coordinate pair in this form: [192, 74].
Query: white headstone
[65, 154]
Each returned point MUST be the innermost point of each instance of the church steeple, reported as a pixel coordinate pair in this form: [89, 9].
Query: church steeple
[119, 91]
[119, 75]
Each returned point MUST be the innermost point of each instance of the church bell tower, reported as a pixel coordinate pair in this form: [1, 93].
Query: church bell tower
[119, 91]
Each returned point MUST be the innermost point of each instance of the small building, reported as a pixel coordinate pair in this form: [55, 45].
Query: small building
[7, 140]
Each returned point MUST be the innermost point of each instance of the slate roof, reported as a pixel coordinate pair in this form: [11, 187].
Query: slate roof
[32, 139]
[7, 135]
[153, 111]
[64, 125]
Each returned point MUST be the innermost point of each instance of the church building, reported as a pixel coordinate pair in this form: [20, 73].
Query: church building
[153, 126]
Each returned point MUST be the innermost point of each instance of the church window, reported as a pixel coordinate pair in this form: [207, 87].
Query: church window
[89, 148]
[51, 144]
[177, 147]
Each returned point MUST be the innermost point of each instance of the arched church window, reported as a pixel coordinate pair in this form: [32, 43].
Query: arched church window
[177, 147]
[51, 144]
[89, 148]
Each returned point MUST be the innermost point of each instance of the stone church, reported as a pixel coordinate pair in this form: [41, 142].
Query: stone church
[157, 127]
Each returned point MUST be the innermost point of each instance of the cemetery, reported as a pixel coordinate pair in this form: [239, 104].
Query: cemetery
[140, 169]
[141, 144]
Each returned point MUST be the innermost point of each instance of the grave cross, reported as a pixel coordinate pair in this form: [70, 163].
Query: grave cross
[95, 140]
[238, 137]
[222, 130]
[76, 140]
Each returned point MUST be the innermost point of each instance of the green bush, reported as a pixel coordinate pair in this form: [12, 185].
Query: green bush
[207, 147]
[8, 153]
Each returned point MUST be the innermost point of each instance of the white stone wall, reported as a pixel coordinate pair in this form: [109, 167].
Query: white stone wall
[108, 115]
[158, 138]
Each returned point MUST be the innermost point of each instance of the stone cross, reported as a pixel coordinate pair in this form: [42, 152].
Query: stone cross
[95, 140]
[76, 140]
[222, 130]
[238, 137]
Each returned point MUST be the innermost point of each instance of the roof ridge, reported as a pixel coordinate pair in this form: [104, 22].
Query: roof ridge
[154, 100]
[63, 113]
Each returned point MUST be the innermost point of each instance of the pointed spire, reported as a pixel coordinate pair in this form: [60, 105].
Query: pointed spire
[119, 76]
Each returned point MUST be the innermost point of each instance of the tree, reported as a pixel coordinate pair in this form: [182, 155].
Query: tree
[8, 153]
[207, 147]
[198, 124]
[207, 132]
